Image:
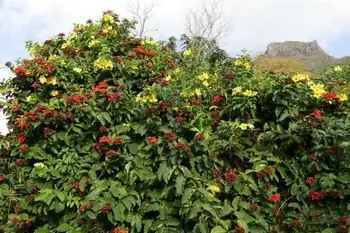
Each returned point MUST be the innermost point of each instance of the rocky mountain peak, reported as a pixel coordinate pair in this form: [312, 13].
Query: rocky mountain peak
[294, 48]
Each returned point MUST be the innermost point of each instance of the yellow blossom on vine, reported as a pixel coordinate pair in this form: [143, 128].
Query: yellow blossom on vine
[203, 77]
[93, 43]
[66, 44]
[337, 69]
[42, 80]
[72, 36]
[250, 93]
[198, 92]
[168, 78]
[247, 66]
[245, 126]
[300, 77]
[54, 93]
[153, 99]
[39, 165]
[108, 19]
[343, 97]
[213, 189]
[236, 90]
[175, 109]
[238, 62]
[177, 70]
[32, 51]
[103, 64]
[149, 41]
[53, 81]
[184, 93]
[29, 98]
[77, 70]
[53, 57]
[187, 53]
[205, 83]
[317, 90]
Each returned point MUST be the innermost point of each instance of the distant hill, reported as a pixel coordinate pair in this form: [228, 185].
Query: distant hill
[309, 53]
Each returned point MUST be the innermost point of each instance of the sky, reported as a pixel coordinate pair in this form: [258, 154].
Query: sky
[254, 23]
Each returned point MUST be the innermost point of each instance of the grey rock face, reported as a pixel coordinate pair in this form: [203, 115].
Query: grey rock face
[294, 48]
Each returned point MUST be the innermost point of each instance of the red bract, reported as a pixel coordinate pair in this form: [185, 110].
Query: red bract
[21, 72]
[217, 99]
[240, 229]
[199, 137]
[309, 180]
[343, 228]
[316, 196]
[181, 119]
[75, 185]
[332, 95]
[106, 209]
[103, 129]
[35, 85]
[316, 115]
[180, 146]
[112, 154]
[163, 106]
[170, 136]
[2, 179]
[274, 198]
[229, 76]
[342, 219]
[152, 140]
[295, 223]
[23, 148]
[20, 162]
[114, 97]
[230, 176]
[119, 230]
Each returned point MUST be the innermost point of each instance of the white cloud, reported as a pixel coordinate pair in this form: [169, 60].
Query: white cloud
[255, 22]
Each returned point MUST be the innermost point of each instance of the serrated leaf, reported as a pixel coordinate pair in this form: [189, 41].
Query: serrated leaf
[179, 184]
[64, 227]
[218, 229]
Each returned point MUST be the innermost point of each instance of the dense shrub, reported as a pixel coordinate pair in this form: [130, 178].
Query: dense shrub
[108, 134]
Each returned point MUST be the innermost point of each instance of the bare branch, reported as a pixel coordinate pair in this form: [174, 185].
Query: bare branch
[208, 22]
[142, 14]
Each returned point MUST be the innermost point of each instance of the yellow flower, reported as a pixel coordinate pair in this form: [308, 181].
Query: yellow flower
[237, 90]
[337, 69]
[39, 165]
[198, 91]
[238, 62]
[187, 53]
[54, 93]
[32, 51]
[168, 78]
[93, 43]
[343, 97]
[317, 90]
[29, 98]
[134, 67]
[108, 19]
[103, 64]
[205, 83]
[211, 195]
[149, 41]
[213, 189]
[66, 44]
[175, 109]
[53, 57]
[77, 70]
[53, 81]
[72, 36]
[42, 80]
[300, 77]
[250, 93]
[184, 93]
[177, 70]
[153, 99]
[245, 126]
[203, 77]
[247, 66]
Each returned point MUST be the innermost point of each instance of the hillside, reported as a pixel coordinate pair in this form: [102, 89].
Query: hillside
[310, 53]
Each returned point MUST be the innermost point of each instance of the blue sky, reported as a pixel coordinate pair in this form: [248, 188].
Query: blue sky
[254, 23]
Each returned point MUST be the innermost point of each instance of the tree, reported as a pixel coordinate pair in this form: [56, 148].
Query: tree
[142, 14]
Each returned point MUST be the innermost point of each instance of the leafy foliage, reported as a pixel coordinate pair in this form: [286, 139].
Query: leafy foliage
[108, 133]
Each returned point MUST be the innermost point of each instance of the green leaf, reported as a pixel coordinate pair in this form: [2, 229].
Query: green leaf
[328, 230]
[135, 147]
[107, 117]
[218, 229]
[179, 184]
[64, 227]
[60, 196]
[187, 195]
[145, 174]
[118, 192]
[119, 212]
[235, 203]
[242, 224]
[242, 215]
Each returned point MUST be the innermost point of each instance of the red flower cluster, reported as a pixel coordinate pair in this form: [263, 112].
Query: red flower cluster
[118, 59]
[84, 208]
[170, 136]
[114, 97]
[103, 129]
[141, 50]
[75, 185]
[106, 209]
[180, 119]
[101, 88]
[195, 102]
[78, 98]
[21, 72]
[274, 198]
[112, 154]
[229, 76]
[2, 179]
[35, 85]
[180, 146]
[119, 230]
[317, 115]
[163, 106]
[240, 229]
[316, 196]
[295, 223]
[342, 219]
[20, 162]
[309, 180]
[48, 131]
[199, 137]
[230, 176]
[108, 140]
[46, 66]
[152, 140]
[332, 95]
[217, 99]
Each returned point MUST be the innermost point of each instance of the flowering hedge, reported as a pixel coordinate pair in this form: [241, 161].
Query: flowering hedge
[109, 134]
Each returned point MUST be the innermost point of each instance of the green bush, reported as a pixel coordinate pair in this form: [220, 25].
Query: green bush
[108, 134]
